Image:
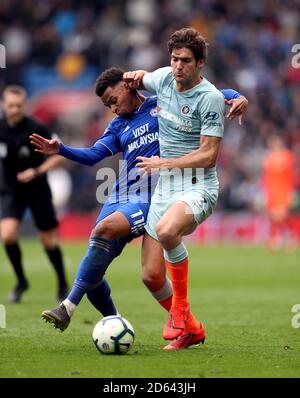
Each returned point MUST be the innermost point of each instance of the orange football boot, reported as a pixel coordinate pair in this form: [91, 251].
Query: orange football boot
[176, 322]
[187, 338]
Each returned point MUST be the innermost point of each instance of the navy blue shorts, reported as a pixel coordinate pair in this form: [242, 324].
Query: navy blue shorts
[136, 214]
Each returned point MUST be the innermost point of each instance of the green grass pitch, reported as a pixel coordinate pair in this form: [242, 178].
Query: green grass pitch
[244, 296]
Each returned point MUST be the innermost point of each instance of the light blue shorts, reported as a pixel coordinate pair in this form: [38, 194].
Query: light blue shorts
[201, 204]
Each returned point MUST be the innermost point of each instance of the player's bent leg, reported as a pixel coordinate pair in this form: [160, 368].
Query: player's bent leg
[99, 255]
[9, 229]
[177, 221]
[50, 242]
[91, 270]
[154, 272]
[120, 226]
[112, 227]
[101, 299]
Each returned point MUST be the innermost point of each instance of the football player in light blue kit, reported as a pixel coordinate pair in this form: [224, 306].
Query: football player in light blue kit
[134, 132]
[191, 122]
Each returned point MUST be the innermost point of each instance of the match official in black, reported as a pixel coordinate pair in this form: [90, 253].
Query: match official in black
[23, 184]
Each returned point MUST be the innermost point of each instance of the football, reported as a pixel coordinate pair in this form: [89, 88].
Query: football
[113, 335]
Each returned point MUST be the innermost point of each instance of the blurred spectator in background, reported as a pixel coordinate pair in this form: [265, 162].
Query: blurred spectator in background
[279, 188]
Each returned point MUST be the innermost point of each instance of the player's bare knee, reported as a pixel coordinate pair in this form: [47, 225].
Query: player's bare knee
[106, 230]
[145, 277]
[8, 233]
[166, 234]
[9, 239]
[152, 278]
[49, 239]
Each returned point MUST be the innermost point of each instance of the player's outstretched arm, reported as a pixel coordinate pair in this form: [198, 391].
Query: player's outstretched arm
[86, 156]
[135, 79]
[47, 147]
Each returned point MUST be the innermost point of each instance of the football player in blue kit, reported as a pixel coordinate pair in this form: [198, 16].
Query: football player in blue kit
[134, 132]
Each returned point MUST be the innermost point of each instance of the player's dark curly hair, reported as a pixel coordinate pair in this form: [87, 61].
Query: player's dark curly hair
[189, 38]
[109, 78]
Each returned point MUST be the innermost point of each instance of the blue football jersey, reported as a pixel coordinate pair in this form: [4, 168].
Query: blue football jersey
[136, 135]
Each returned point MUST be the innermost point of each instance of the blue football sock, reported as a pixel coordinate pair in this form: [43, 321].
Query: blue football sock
[92, 267]
[101, 299]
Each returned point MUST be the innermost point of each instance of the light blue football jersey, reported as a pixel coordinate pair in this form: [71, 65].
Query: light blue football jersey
[184, 117]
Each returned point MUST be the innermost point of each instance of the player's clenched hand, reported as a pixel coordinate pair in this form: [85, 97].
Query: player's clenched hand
[237, 109]
[47, 147]
[134, 78]
[149, 165]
